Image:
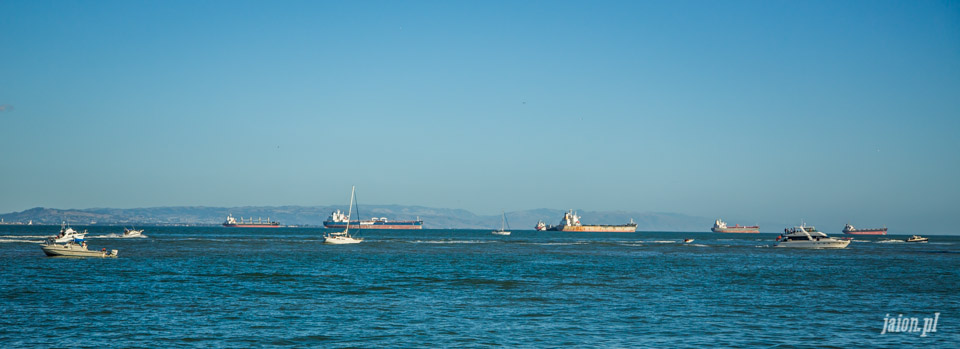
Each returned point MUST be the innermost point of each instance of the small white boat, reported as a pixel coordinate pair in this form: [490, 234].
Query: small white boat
[503, 226]
[132, 233]
[340, 237]
[809, 237]
[76, 248]
[917, 238]
[67, 234]
[687, 241]
[344, 237]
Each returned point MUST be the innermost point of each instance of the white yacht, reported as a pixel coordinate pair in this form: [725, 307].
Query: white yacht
[132, 233]
[808, 237]
[503, 226]
[75, 248]
[67, 234]
[344, 237]
[917, 238]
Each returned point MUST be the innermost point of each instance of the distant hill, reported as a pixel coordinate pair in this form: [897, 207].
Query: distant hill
[433, 218]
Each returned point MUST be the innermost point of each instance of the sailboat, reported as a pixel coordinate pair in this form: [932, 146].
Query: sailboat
[344, 237]
[503, 226]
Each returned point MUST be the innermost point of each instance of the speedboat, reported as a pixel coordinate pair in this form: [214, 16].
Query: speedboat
[687, 241]
[75, 248]
[917, 238]
[67, 234]
[132, 233]
[809, 237]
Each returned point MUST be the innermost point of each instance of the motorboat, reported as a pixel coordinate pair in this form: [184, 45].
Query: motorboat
[917, 238]
[687, 241]
[67, 234]
[132, 233]
[75, 248]
[809, 237]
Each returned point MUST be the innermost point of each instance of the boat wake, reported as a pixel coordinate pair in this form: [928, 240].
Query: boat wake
[121, 236]
[890, 241]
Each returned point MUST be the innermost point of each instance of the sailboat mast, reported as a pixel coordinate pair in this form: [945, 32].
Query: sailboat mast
[503, 221]
[350, 210]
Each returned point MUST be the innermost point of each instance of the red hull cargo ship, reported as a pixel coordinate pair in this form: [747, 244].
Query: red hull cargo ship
[850, 230]
[721, 227]
[338, 220]
[571, 222]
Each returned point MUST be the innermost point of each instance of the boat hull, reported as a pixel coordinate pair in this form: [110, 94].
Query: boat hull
[866, 232]
[251, 225]
[403, 225]
[75, 251]
[627, 228]
[815, 244]
[748, 230]
[338, 240]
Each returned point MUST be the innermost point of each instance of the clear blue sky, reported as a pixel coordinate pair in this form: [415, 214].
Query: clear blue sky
[829, 111]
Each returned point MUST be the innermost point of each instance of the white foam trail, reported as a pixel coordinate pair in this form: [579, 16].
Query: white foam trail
[120, 236]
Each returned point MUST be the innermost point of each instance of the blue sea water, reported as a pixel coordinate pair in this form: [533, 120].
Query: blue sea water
[224, 287]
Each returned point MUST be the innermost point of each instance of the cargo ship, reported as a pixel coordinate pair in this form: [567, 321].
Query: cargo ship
[850, 230]
[338, 220]
[259, 223]
[571, 222]
[721, 227]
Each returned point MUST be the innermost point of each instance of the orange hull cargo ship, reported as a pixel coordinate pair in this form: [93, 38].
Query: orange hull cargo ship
[571, 222]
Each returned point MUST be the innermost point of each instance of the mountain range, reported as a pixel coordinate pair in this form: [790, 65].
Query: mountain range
[433, 218]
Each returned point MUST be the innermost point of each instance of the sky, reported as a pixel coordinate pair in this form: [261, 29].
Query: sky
[823, 111]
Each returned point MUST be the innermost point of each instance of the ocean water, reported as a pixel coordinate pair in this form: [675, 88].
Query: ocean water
[219, 287]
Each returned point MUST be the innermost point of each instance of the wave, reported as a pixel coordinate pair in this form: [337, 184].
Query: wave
[557, 243]
[451, 242]
[24, 236]
[21, 241]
